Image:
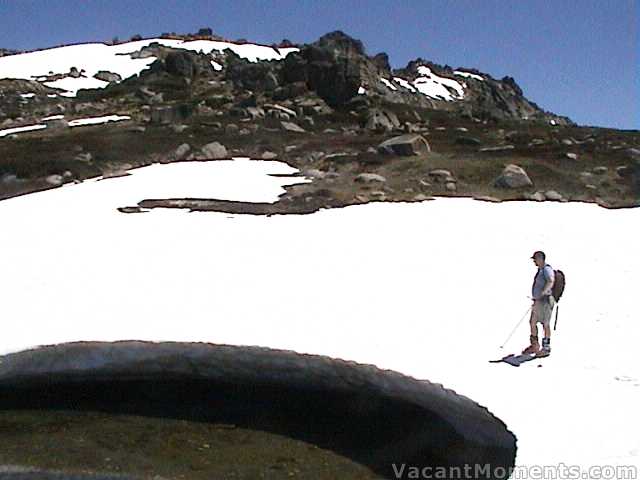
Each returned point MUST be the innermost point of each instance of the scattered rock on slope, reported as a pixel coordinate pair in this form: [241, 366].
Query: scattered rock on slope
[55, 180]
[292, 127]
[497, 149]
[370, 178]
[405, 145]
[513, 176]
[106, 76]
[170, 113]
[468, 141]
[214, 151]
[442, 176]
[181, 152]
[382, 120]
[56, 124]
[553, 195]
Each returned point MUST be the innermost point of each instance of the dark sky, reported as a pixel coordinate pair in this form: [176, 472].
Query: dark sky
[574, 57]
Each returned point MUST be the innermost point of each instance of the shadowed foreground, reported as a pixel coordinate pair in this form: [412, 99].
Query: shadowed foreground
[373, 417]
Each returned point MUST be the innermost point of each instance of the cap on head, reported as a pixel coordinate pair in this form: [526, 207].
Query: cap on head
[539, 254]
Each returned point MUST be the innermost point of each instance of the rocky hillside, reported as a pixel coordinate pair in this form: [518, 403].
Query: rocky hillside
[4, 52]
[338, 69]
[361, 129]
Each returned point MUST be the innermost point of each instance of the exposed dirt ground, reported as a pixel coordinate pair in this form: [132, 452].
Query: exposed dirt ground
[345, 151]
[174, 449]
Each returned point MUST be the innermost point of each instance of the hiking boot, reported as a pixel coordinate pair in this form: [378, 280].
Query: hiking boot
[546, 347]
[534, 348]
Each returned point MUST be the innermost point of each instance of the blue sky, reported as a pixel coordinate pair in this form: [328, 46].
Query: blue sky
[574, 57]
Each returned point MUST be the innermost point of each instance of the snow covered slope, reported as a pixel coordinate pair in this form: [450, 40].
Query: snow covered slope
[94, 57]
[428, 289]
[79, 122]
[431, 85]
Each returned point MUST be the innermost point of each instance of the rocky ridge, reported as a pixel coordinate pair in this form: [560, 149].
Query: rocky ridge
[326, 108]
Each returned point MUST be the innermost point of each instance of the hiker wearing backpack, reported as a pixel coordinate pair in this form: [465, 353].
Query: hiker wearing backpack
[543, 303]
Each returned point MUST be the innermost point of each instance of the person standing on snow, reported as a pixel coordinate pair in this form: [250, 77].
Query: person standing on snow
[542, 308]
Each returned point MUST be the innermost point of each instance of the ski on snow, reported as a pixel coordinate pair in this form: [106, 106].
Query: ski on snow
[517, 360]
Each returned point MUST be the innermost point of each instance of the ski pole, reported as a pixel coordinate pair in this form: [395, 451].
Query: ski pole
[516, 327]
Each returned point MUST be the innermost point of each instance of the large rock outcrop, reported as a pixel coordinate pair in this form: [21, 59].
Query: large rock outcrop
[333, 67]
[337, 68]
[253, 76]
[375, 417]
[484, 97]
[183, 64]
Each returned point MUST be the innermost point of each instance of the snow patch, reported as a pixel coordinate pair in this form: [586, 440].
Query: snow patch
[390, 324]
[437, 87]
[186, 277]
[27, 95]
[72, 85]
[433, 86]
[388, 84]
[93, 57]
[362, 91]
[468, 75]
[53, 117]
[405, 84]
[98, 120]
[73, 123]
[27, 128]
